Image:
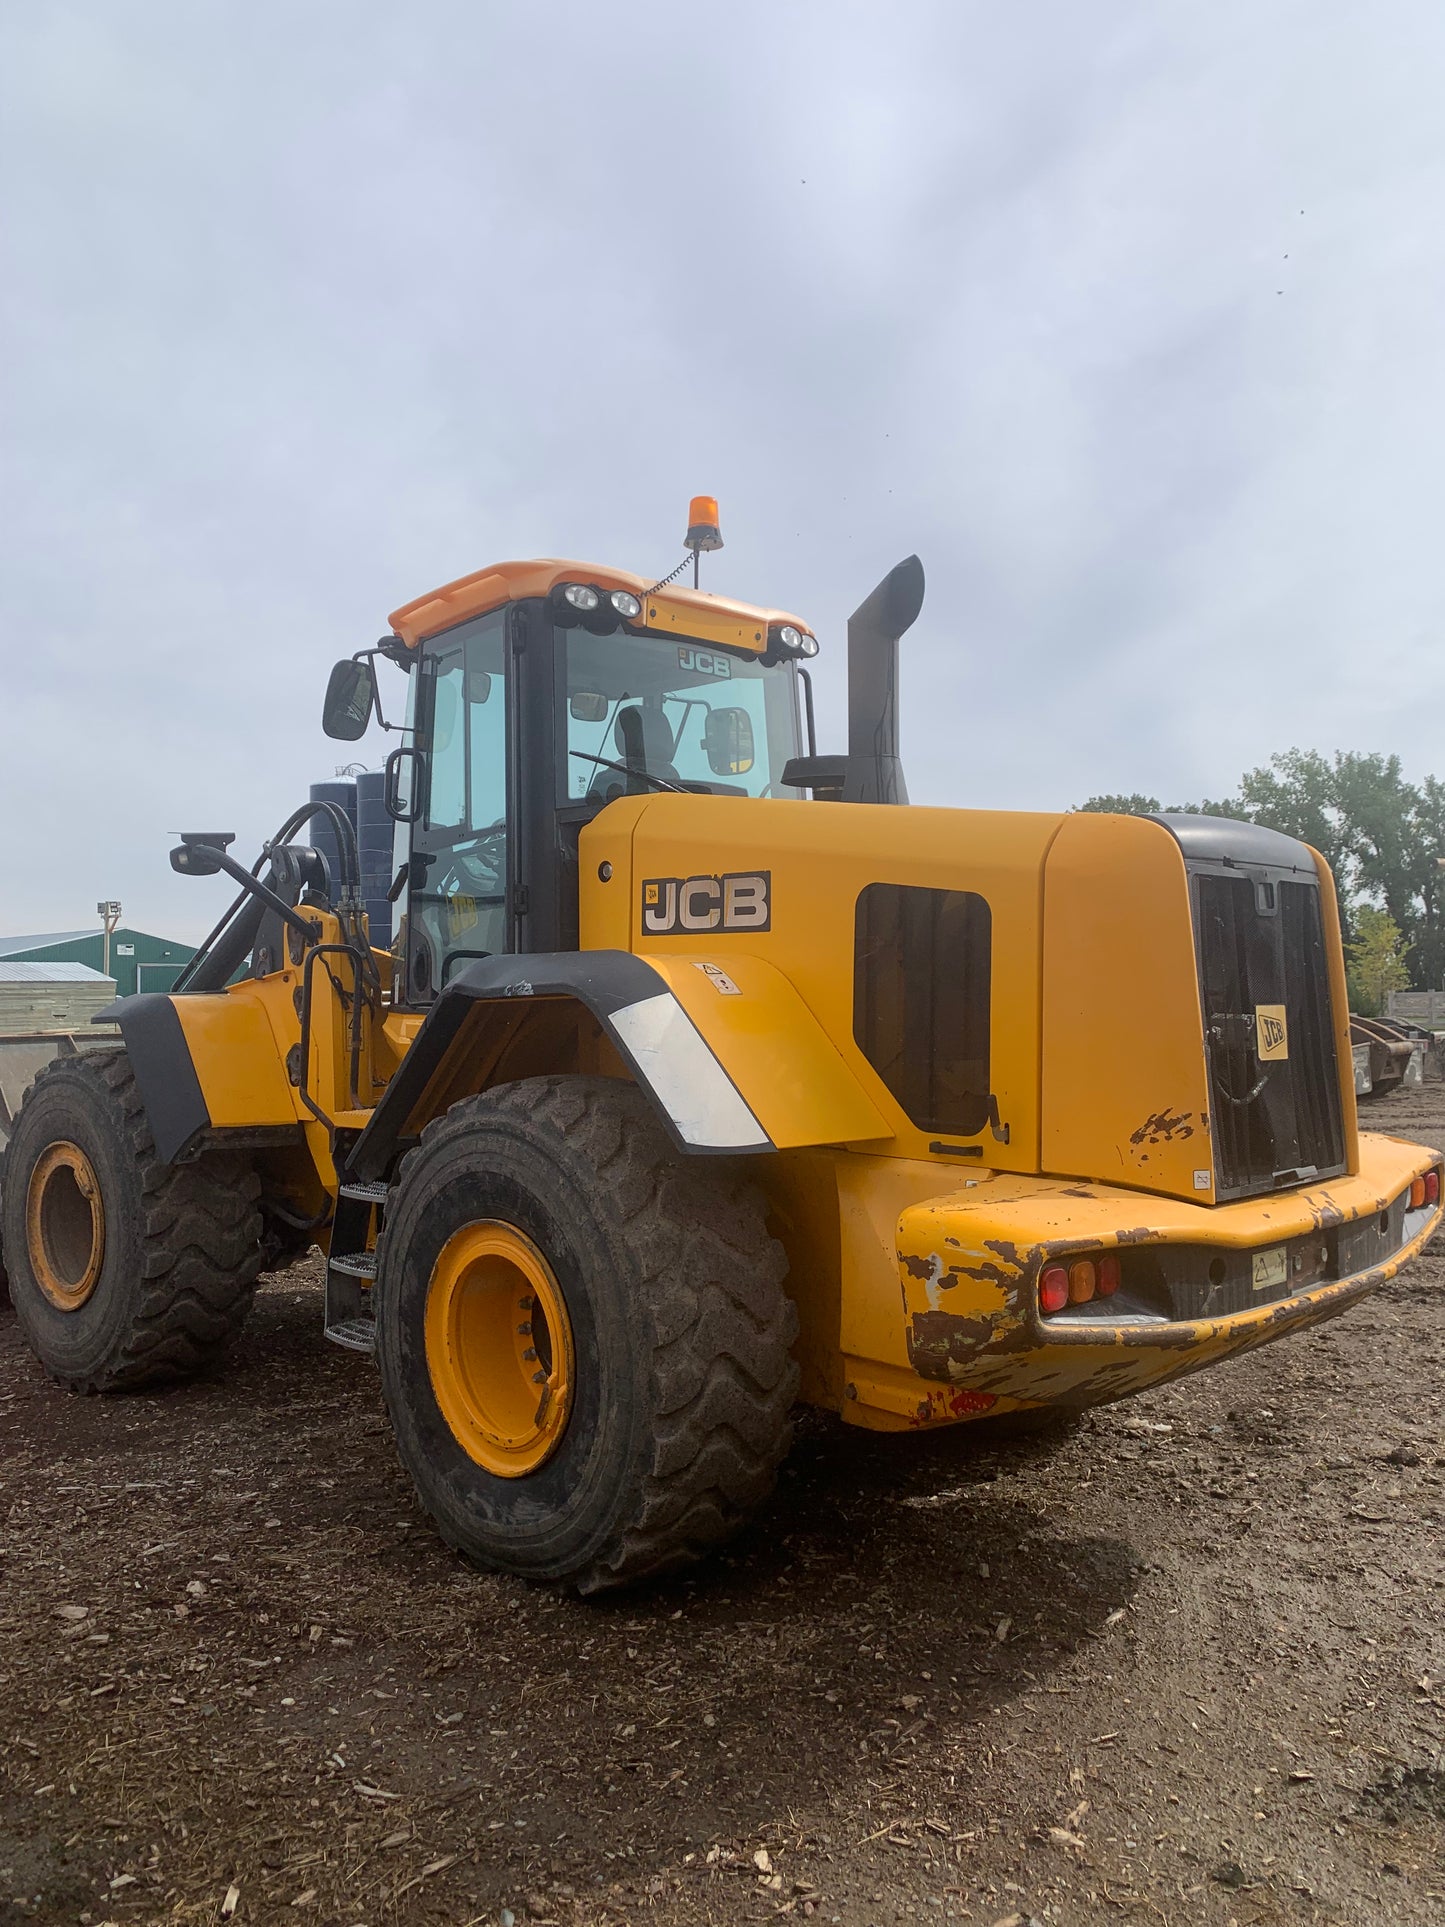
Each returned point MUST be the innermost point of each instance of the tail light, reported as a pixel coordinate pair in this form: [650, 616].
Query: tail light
[1432, 1187]
[1078, 1282]
[1053, 1289]
[1417, 1192]
[1081, 1281]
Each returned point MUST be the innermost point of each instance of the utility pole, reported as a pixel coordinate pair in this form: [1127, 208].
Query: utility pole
[109, 914]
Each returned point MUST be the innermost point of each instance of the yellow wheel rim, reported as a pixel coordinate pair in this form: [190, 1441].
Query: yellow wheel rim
[499, 1348]
[65, 1225]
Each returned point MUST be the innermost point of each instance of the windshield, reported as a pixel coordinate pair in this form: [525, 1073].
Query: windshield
[688, 713]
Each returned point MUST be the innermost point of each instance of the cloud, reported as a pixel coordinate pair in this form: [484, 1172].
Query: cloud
[1125, 319]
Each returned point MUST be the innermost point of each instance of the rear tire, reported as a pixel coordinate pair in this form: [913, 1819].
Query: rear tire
[124, 1271]
[668, 1337]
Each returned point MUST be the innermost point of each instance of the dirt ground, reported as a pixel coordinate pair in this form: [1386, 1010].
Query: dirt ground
[1183, 1663]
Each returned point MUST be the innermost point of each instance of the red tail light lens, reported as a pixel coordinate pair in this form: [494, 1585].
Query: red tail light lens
[1081, 1281]
[1053, 1289]
[1417, 1193]
[1432, 1187]
[1108, 1275]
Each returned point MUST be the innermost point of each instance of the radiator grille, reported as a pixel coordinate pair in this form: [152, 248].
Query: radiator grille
[1276, 1118]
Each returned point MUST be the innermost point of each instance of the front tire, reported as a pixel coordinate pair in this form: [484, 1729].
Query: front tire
[124, 1271]
[583, 1337]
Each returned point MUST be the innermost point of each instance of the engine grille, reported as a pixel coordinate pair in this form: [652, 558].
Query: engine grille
[1274, 1081]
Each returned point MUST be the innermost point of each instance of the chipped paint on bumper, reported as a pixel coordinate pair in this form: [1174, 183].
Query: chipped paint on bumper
[969, 1264]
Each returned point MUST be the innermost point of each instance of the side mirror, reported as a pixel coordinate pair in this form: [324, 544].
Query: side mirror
[728, 739]
[350, 698]
[199, 854]
[479, 685]
[585, 707]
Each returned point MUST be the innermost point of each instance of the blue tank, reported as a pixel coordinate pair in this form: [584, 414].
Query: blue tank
[320, 833]
[374, 835]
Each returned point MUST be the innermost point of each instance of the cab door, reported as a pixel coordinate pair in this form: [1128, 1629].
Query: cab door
[459, 887]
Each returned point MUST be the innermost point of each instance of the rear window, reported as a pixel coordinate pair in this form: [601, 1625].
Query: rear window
[921, 967]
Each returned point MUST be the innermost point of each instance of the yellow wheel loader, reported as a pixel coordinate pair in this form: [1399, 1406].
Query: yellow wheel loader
[704, 1075]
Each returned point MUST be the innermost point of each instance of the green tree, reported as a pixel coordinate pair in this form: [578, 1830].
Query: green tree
[1298, 793]
[1427, 957]
[1377, 814]
[1122, 805]
[1379, 834]
[1376, 961]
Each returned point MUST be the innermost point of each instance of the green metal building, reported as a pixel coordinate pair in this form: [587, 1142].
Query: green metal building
[138, 961]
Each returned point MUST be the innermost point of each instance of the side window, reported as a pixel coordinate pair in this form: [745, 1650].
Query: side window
[921, 988]
[447, 788]
[486, 749]
[458, 892]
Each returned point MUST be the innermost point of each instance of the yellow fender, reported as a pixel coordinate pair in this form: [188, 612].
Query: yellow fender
[729, 1054]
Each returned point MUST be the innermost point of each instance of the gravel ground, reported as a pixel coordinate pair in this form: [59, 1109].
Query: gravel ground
[1182, 1663]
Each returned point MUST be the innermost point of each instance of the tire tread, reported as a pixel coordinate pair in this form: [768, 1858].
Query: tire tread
[199, 1244]
[710, 1278]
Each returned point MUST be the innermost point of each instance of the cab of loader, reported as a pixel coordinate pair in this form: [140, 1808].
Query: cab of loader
[523, 722]
[538, 693]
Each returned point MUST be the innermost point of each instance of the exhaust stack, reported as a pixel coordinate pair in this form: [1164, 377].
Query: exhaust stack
[875, 773]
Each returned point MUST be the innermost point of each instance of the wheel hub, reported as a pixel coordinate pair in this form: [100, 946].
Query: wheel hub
[499, 1348]
[65, 1225]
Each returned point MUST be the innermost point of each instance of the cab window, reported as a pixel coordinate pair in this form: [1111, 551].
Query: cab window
[688, 714]
[458, 896]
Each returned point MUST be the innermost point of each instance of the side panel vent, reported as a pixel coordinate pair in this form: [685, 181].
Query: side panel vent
[921, 991]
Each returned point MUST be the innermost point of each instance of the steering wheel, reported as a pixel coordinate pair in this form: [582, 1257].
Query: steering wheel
[475, 866]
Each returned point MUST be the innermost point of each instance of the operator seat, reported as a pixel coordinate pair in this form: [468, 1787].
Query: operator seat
[657, 742]
[656, 751]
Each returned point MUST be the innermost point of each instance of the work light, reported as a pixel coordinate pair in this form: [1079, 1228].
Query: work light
[794, 641]
[626, 604]
[580, 596]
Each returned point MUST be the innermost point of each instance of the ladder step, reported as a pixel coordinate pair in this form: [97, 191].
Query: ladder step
[365, 1191]
[356, 1264]
[355, 1334]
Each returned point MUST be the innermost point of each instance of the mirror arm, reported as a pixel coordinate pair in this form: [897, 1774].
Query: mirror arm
[369, 656]
[251, 885]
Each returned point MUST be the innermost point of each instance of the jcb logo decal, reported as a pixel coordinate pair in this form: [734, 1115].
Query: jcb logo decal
[742, 901]
[1271, 1033]
[706, 662]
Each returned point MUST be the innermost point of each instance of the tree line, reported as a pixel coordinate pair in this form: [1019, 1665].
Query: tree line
[1380, 835]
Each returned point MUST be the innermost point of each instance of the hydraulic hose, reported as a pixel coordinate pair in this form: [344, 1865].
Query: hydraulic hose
[233, 938]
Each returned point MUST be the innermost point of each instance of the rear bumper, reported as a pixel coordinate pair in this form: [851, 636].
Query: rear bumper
[1192, 1292]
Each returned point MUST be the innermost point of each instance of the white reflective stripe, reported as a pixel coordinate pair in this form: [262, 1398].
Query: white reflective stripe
[687, 1080]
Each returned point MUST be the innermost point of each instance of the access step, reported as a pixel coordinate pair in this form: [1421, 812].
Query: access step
[355, 1334]
[365, 1191]
[355, 1264]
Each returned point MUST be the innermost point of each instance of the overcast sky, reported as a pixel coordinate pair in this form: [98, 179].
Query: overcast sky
[1126, 316]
